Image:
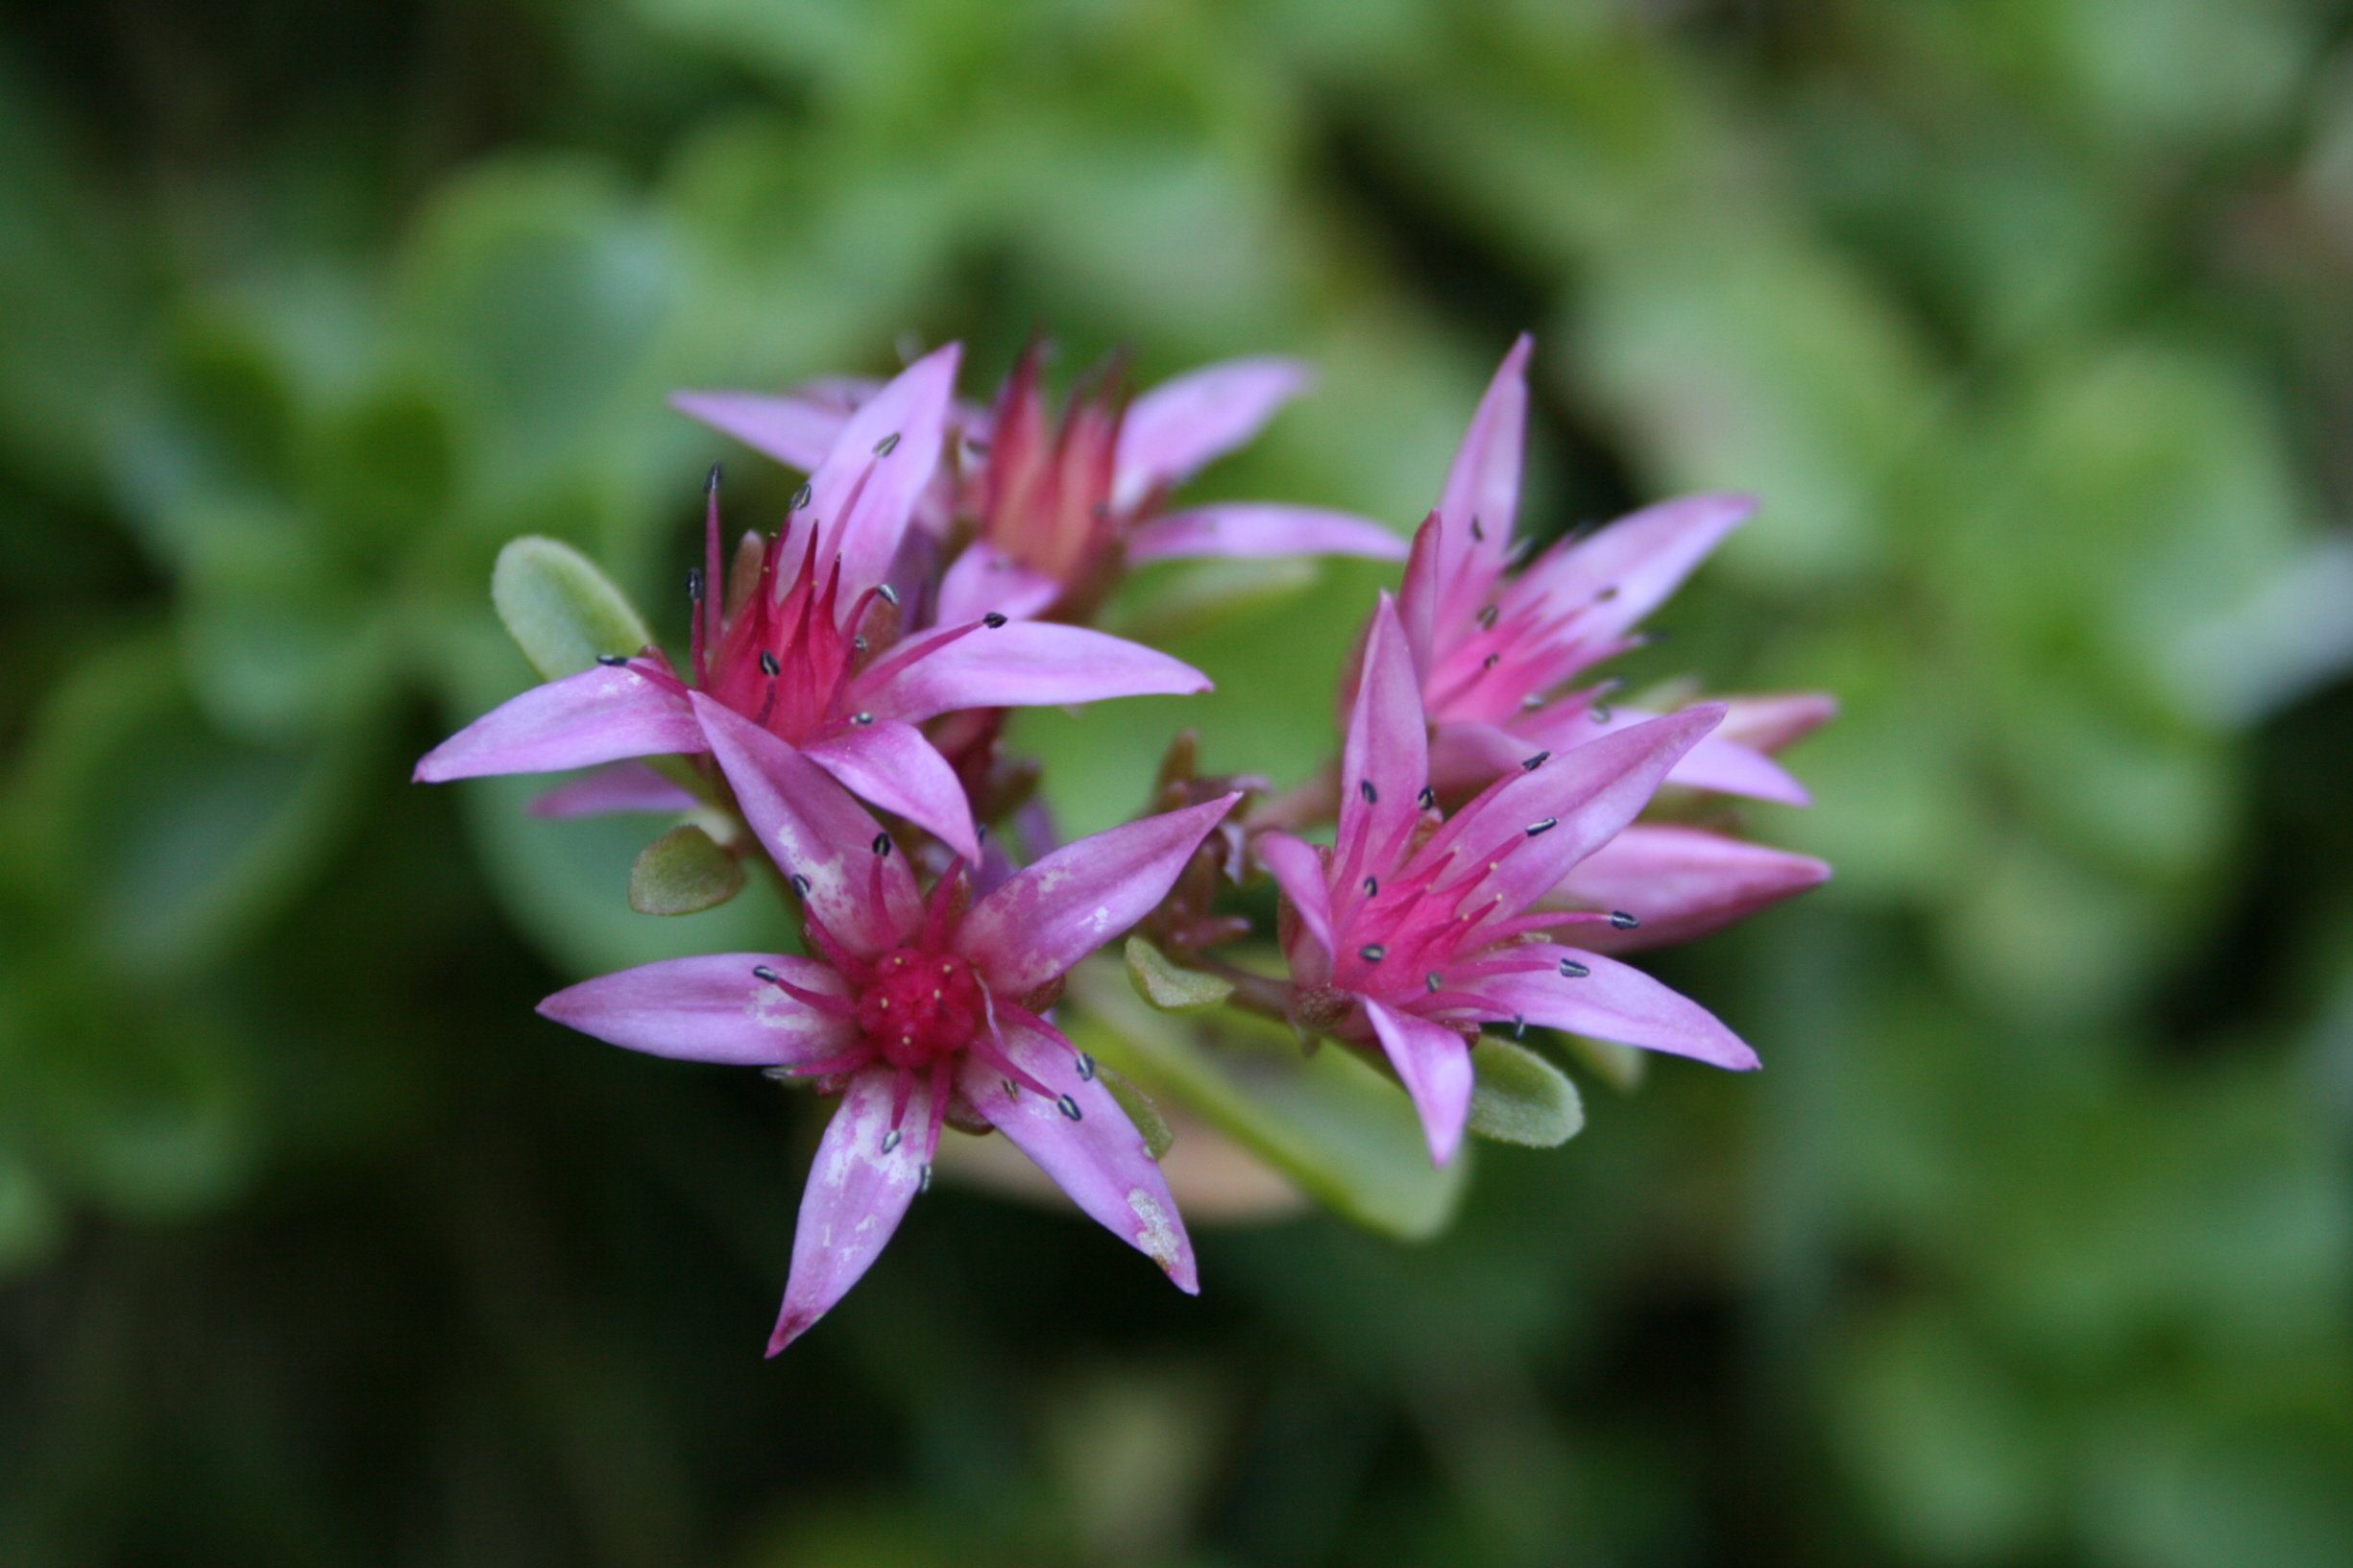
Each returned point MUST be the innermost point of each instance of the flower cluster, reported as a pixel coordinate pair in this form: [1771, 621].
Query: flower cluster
[1490, 845]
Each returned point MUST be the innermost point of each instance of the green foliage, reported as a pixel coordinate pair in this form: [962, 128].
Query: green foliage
[1167, 986]
[2027, 321]
[1520, 1097]
[683, 872]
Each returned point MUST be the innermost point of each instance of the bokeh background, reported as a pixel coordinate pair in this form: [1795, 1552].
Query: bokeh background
[2032, 322]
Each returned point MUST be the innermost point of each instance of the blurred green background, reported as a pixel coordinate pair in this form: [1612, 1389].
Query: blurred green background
[2031, 319]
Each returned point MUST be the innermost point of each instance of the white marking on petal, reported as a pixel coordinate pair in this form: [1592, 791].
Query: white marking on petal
[1157, 1238]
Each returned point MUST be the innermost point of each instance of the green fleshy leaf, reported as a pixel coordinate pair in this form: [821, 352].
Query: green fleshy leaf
[1169, 987]
[1520, 1098]
[562, 611]
[1331, 1123]
[684, 873]
[1621, 1067]
[1158, 1135]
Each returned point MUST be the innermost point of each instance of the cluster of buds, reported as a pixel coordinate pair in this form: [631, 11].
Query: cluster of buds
[841, 706]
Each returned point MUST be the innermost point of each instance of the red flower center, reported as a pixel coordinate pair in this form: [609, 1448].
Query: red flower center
[921, 1006]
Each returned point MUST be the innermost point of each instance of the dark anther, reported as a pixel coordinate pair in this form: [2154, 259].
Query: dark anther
[857, 644]
[801, 498]
[761, 972]
[890, 594]
[1012, 1089]
[1519, 1025]
[888, 444]
[1601, 713]
[992, 620]
[923, 1183]
[1067, 1106]
[1372, 952]
[1364, 787]
[882, 845]
[1476, 532]
[694, 584]
[1428, 798]
[1086, 1068]
[1536, 761]
[1623, 921]
[712, 484]
[1490, 660]
[768, 664]
[612, 661]
[1372, 885]
[890, 1140]
[861, 718]
[1544, 827]
[1487, 615]
[800, 884]
[1572, 970]
[1605, 594]
[1432, 980]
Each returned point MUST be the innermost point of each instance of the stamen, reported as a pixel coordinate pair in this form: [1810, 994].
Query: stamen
[1068, 1106]
[1086, 1068]
[1601, 713]
[1372, 952]
[1536, 761]
[890, 594]
[1519, 1025]
[861, 718]
[695, 585]
[1487, 615]
[888, 444]
[770, 666]
[1434, 981]
[880, 845]
[612, 661]
[1623, 921]
[761, 972]
[890, 1141]
[1364, 787]
[992, 620]
[1428, 799]
[800, 884]
[1572, 970]
[1372, 885]
[1544, 827]
[1476, 532]
[801, 498]
[923, 1182]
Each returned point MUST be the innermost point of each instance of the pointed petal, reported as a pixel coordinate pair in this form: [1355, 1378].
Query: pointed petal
[1577, 800]
[1435, 1064]
[1483, 486]
[1418, 594]
[1053, 914]
[709, 1009]
[856, 1194]
[797, 427]
[1177, 426]
[598, 716]
[1024, 664]
[1299, 871]
[1100, 1160]
[1681, 882]
[1384, 763]
[1252, 530]
[890, 765]
[913, 408]
[1629, 569]
[811, 829]
[1712, 763]
[1465, 755]
[1609, 1002]
[1768, 723]
[621, 786]
[986, 579]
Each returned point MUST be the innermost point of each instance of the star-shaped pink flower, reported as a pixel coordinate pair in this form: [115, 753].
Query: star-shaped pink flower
[1414, 931]
[913, 1006]
[803, 639]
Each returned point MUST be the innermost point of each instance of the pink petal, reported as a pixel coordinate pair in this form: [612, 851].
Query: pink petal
[1250, 530]
[1769, 723]
[984, 579]
[1100, 1159]
[1620, 575]
[1712, 763]
[890, 765]
[814, 831]
[912, 407]
[621, 786]
[796, 427]
[1465, 754]
[1434, 1062]
[1180, 425]
[1299, 872]
[1024, 664]
[1609, 1001]
[856, 1194]
[598, 716]
[1385, 764]
[1576, 801]
[1483, 488]
[1681, 882]
[1052, 914]
[712, 1009]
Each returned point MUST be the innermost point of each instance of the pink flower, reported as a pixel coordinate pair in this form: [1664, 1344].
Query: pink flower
[1414, 931]
[918, 1008]
[1060, 507]
[804, 642]
[1497, 649]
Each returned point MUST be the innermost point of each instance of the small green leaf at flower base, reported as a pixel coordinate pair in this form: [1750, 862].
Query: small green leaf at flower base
[1158, 1135]
[1169, 987]
[683, 872]
[1520, 1098]
[562, 611]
